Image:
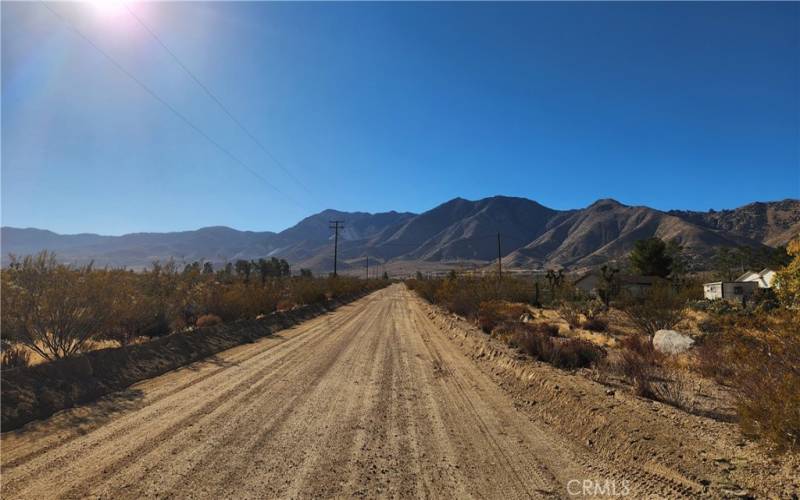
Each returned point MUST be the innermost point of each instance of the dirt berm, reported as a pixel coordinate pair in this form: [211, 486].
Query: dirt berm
[38, 391]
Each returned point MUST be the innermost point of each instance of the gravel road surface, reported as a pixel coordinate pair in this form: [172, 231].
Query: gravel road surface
[369, 400]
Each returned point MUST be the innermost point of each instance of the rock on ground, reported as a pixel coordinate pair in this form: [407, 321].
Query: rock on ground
[671, 342]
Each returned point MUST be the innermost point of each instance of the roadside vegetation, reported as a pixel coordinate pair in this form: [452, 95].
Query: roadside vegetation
[743, 361]
[52, 310]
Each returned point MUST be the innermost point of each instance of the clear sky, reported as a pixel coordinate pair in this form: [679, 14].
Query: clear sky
[392, 106]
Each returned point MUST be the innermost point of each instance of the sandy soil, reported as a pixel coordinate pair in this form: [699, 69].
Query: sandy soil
[374, 399]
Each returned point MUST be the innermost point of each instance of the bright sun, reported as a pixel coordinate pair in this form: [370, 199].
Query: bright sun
[109, 8]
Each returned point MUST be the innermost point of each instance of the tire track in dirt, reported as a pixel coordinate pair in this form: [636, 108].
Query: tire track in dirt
[164, 387]
[370, 400]
[147, 437]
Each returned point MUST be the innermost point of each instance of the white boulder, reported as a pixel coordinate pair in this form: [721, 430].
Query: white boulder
[671, 342]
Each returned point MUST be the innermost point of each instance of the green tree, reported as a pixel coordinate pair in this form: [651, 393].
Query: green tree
[651, 258]
[787, 280]
[679, 267]
[726, 263]
[263, 269]
[243, 268]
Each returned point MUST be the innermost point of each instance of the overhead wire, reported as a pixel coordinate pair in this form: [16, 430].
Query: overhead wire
[214, 98]
[167, 105]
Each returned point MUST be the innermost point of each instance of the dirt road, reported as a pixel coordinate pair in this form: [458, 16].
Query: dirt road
[370, 400]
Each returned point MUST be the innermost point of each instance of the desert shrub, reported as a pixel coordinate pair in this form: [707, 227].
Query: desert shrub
[698, 305]
[711, 354]
[511, 289]
[757, 356]
[541, 341]
[489, 315]
[674, 388]
[787, 279]
[514, 311]
[463, 295]
[159, 327]
[640, 345]
[547, 329]
[721, 307]
[425, 288]
[570, 354]
[234, 301]
[54, 309]
[709, 325]
[593, 309]
[765, 300]
[660, 308]
[570, 311]
[766, 374]
[639, 364]
[308, 291]
[14, 356]
[595, 324]
[284, 305]
[134, 312]
[493, 312]
[208, 320]
[534, 343]
[645, 370]
[513, 331]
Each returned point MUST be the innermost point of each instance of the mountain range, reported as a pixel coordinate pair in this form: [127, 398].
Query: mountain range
[456, 232]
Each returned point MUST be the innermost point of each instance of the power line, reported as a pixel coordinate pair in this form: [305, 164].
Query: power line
[499, 259]
[336, 225]
[166, 104]
[215, 99]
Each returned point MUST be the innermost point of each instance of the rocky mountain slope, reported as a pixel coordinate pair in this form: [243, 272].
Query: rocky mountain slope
[531, 236]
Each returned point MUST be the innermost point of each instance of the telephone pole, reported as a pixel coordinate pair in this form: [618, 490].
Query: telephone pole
[367, 266]
[499, 259]
[336, 225]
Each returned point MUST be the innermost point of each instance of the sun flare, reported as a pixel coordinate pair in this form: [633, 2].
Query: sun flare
[109, 9]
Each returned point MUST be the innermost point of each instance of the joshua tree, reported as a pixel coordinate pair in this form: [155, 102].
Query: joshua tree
[609, 283]
[555, 280]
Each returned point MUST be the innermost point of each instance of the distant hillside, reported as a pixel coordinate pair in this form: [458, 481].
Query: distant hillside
[531, 236]
[769, 223]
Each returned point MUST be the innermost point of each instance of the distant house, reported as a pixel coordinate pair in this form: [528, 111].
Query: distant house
[591, 284]
[732, 291]
[765, 278]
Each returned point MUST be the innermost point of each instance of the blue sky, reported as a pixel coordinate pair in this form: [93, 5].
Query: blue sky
[393, 106]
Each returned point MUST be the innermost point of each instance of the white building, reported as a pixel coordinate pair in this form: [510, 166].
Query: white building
[764, 278]
[734, 291]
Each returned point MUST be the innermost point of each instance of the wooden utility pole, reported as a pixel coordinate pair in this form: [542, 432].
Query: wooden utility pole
[367, 266]
[499, 259]
[336, 225]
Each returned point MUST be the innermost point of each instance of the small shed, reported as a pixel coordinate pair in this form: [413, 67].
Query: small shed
[764, 278]
[733, 291]
[634, 285]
